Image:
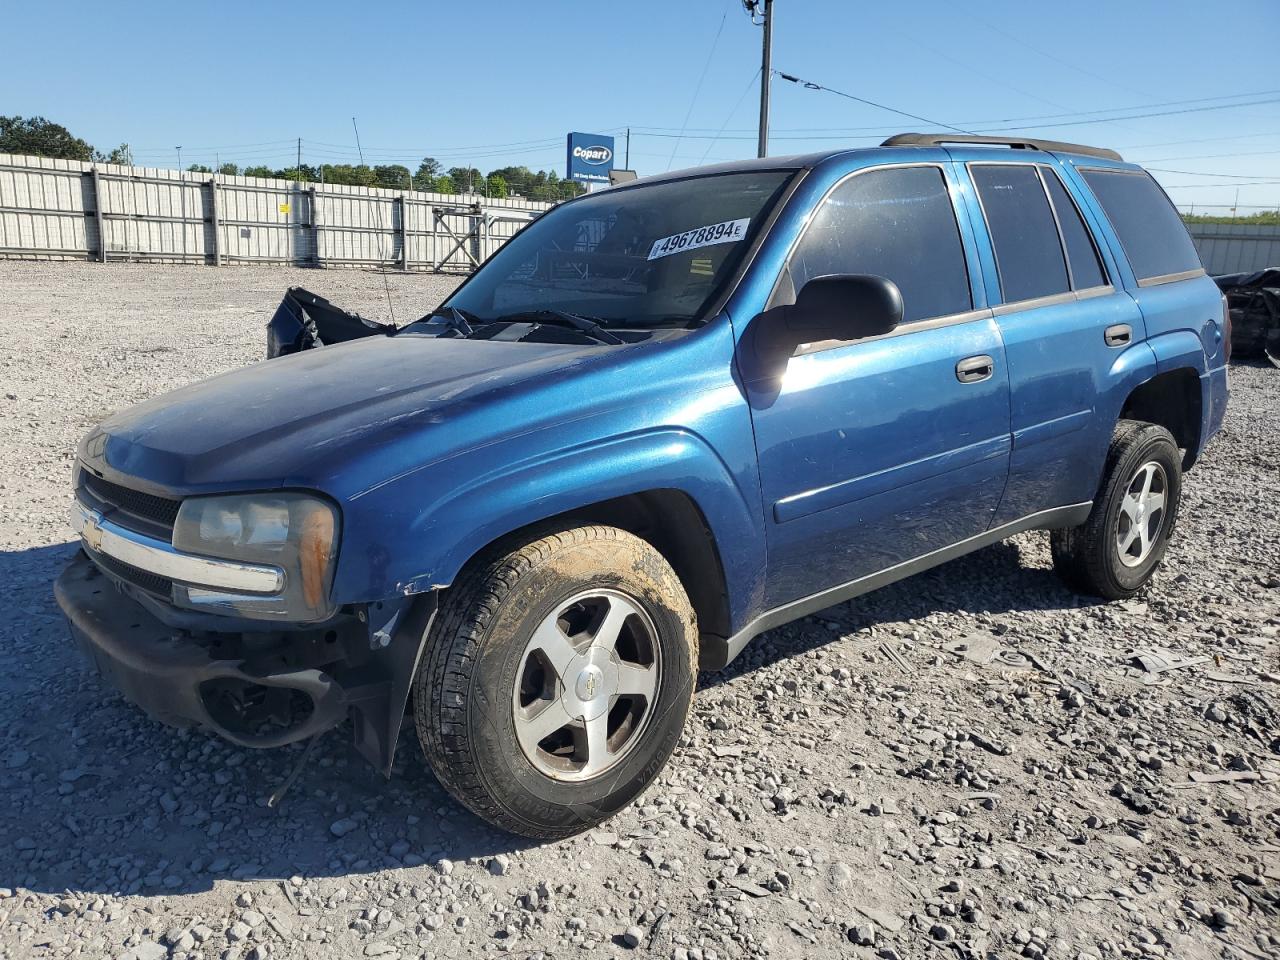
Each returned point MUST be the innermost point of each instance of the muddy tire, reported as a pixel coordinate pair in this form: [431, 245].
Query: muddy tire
[557, 679]
[1116, 551]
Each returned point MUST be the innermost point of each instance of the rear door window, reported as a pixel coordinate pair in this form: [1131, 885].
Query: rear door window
[1024, 235]
[895, 222]
[1082, 255]
[1152, 234]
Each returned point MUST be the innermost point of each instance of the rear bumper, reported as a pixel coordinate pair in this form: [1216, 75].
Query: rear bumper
[182, 679]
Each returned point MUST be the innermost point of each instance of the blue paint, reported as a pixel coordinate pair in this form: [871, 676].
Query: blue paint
[845, 461]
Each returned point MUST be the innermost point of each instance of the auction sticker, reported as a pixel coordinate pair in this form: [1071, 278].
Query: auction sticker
[727, 232]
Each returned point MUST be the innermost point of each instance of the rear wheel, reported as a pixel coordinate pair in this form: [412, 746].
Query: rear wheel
[557, 680]
[1116, 551]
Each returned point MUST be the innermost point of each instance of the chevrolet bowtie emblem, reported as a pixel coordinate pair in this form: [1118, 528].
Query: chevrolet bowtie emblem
[92, 533]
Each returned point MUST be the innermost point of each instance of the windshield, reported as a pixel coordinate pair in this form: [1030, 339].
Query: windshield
[644, 256]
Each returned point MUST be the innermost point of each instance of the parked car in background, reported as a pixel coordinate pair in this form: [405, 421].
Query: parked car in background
[1254, 303]
[662, 419]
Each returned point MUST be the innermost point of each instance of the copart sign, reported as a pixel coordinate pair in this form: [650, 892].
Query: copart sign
[590, 158]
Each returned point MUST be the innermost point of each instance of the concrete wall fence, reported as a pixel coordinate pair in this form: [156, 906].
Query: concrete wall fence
[1236, 247]
[68, 210]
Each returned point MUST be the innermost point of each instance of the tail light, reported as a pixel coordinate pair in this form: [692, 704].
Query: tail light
[1226, 329]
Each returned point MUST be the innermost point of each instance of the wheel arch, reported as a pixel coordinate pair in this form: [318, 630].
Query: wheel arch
[670, 521]
[1172, 399]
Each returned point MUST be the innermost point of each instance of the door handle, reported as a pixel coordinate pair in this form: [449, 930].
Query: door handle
[975, 369]
[1118, 335]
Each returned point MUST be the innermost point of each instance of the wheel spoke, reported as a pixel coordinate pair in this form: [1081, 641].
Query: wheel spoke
[555, 646]
[595, 740]
[611, 626]
[635, 680]
[1145, 538]
[1153, 502]
[1129, 536]
[550, 718]
[1129, 506]
[1148, 474]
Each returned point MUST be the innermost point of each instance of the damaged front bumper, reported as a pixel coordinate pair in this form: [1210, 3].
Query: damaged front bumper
[256, 689]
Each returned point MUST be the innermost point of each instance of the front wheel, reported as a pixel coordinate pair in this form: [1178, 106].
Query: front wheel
[1116, 551]
[557, 680]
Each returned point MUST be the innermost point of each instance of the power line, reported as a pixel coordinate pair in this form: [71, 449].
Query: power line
[730, 115]
[810, 85]
[1136, 116]
[1229, 176]
[701, 77]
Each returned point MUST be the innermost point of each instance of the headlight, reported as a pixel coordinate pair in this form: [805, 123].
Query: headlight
[292, 531]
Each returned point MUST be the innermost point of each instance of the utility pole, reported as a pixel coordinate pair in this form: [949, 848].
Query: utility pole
[627, 164]
[765, 10]
[299, 167]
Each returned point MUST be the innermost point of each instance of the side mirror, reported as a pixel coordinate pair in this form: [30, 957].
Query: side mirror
[844, 307]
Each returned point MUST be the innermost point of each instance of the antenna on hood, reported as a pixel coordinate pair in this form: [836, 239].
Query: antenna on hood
[377, 207]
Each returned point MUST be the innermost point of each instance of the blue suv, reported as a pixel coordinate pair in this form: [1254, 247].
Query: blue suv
[662, 419]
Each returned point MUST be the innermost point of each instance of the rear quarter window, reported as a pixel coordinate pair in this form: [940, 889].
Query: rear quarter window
[1153, 236]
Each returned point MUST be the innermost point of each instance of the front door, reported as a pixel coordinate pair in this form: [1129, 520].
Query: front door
[882, 450]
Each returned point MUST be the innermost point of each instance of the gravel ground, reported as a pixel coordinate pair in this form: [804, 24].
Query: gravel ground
[860, 784]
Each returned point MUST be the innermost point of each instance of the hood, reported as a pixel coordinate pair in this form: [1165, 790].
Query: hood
[281, 422]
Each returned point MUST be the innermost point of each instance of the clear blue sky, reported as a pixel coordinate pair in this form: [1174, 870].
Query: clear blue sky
[497, 83]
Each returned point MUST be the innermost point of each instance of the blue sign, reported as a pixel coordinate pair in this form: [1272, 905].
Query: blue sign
[590, 158]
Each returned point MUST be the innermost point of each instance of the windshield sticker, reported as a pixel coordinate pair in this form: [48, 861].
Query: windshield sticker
[729, 231]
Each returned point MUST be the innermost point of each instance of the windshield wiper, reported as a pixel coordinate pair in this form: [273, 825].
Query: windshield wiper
[587, 325]
[454, 319]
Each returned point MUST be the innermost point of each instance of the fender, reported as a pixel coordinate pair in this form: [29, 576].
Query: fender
[507, 493]
[1132, 368]
[1176, 349]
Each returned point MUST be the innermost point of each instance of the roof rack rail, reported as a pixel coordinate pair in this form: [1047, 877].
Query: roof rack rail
[1019, 143]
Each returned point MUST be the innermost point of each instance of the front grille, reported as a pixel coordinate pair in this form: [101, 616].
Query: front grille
[144, 512]
[150, 582]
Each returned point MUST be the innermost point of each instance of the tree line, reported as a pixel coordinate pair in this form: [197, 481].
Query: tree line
[36, 136]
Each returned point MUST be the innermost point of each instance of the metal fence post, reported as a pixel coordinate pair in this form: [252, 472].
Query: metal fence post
[315, 225]
[213, 214]
[98, 215]
[404, 233]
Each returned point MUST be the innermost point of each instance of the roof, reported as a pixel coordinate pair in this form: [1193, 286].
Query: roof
[802, 160]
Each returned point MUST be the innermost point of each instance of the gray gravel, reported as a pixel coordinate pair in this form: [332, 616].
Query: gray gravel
[860, 784]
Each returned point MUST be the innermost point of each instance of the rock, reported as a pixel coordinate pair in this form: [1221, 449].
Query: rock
[500, 865]
[942, 932]
[632, 937]
[340, 828]
[862, 934]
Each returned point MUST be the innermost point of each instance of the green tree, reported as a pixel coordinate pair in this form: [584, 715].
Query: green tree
[444, 184]
[393, 176]
[428, 170]
[302, 174]
[466, 179]
[345, 173]
[121, 154]
[497, 186]
[229, 169]
[199, 168]
[39, 137]
[259, 171]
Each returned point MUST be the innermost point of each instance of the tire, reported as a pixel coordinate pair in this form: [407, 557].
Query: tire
[484, 672]
[1090, 558]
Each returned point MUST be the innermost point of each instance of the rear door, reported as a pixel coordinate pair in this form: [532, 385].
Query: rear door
[1181, 305]
[877, 451]
[1064, 324]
